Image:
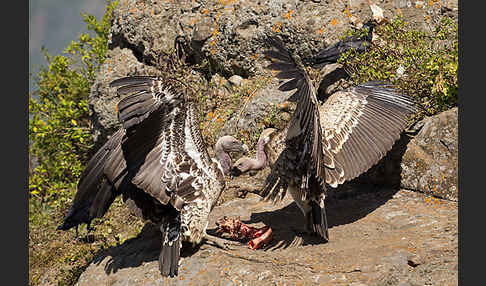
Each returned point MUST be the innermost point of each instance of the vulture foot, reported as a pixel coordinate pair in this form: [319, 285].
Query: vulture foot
[259, 236]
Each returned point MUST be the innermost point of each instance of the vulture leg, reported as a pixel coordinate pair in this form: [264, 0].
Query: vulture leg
[314, 213]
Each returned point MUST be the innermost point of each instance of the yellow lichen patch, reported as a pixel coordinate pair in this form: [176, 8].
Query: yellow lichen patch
[347, 12]
[225, 2]
[418, 5]
[216, 18]
[288, 15]
[277, 27]
[334, 22]
[205, 11]
[433, 201]
[320, 31]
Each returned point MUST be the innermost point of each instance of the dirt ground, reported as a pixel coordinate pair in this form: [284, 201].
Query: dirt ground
[377, 237]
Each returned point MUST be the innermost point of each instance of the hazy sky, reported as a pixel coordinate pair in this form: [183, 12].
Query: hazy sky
[54, 24]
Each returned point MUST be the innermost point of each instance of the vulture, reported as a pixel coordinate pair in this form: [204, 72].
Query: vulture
[331, 54]
[158, 162]
[327, 143]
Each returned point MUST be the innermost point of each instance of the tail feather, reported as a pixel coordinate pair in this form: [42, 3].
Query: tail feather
[170, 252]
[319, 219]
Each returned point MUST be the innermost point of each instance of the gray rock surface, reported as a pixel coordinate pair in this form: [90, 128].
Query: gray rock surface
[380, 237]
[430, 163]
[265, 103]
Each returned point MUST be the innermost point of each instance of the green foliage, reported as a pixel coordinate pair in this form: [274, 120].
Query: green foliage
[59, 124]
[423, 65]
[61, 143]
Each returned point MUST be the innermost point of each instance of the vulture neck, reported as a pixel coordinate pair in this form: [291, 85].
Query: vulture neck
[223, 157]
[261, 157]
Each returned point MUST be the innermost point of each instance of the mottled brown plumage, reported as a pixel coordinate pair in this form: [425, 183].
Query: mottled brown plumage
[327, 143]
[158, 162]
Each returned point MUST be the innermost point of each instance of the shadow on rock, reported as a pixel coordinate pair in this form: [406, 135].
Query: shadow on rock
[288, 222]
[135, 251]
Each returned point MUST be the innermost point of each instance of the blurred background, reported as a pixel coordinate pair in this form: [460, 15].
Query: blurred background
[54, 24]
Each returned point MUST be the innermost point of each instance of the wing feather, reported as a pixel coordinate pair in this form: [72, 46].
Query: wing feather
[304, 128]
[361, 125]
[152, 156]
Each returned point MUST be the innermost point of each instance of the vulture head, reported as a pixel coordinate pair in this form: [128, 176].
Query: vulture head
[246, 164]
[226, 145]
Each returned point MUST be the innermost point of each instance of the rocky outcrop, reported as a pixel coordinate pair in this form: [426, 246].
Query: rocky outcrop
[383, 237]
[430, 162]
[225, 37]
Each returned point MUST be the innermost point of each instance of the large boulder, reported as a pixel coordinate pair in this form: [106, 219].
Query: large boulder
[223, 37]
[376, 238]
[430, 162]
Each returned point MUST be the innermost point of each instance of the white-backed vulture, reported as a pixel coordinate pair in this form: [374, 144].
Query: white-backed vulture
[158, 162]
[327, 143]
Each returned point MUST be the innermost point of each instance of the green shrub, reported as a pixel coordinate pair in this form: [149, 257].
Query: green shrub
[59, 125]
[423, 65]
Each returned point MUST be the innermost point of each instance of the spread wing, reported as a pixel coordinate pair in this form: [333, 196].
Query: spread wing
[302, 161]
[152, 154]
[305, 121]
[360, 125]
[344, 137]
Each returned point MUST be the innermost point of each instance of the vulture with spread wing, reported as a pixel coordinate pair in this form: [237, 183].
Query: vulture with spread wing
[158, 162]
[327, 143]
